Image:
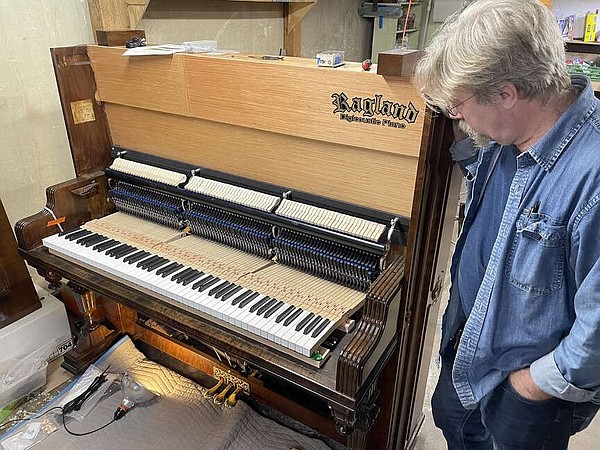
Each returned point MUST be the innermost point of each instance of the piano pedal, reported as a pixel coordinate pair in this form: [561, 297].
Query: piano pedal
[213, 390]
[232, 399]
[220, 398]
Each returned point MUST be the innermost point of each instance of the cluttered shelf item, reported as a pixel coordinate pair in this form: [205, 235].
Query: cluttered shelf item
[254, 222]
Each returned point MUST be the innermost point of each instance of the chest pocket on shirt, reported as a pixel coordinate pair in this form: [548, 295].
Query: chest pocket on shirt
[537, 259]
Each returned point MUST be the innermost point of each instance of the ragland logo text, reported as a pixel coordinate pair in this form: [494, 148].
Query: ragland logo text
[367, 110]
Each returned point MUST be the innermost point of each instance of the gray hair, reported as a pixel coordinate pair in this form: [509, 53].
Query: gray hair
[491, 43]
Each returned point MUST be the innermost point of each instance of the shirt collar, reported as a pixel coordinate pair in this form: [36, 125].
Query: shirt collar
[547, 150]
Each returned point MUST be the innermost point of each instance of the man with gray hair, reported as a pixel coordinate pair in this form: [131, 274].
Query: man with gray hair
[521, 334]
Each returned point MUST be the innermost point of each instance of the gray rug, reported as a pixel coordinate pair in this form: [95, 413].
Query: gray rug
[181, 418]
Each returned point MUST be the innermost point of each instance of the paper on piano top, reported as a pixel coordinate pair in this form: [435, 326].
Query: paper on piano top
[156, 50]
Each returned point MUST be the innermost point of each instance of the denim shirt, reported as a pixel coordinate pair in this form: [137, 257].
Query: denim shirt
[539, 303]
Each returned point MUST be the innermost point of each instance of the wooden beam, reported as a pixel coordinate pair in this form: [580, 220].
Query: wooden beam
[293, 15]
[136, 10]
[109, 15]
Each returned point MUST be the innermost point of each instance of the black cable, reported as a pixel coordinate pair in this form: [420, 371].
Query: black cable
[87, 432]
[74, 405]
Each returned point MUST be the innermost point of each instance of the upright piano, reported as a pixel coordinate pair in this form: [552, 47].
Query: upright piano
[279, 226]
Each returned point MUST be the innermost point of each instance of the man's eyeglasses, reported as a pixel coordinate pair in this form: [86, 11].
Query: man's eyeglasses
[451, 112]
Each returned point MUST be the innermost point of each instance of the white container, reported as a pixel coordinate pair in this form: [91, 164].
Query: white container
[44, 325]
[200, 46]
[19, 386]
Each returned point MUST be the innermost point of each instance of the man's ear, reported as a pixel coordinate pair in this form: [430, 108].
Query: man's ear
[508, 96]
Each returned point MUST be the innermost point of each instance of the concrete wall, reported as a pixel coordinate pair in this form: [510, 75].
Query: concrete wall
[34, 150]
[258, 27]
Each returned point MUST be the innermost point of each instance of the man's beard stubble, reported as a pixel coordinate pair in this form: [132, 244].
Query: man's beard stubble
[480, 140]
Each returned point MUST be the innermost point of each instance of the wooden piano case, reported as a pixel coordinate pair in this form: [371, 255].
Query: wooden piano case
[17, 293]
[342, 134]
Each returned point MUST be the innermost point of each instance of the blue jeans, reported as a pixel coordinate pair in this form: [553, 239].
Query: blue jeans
[503, 418]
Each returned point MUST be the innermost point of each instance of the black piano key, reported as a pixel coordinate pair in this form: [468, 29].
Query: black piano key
[167, 267]
[184, 275]
[230, 293]
[156, 264]
[77, 235]
[127, 251]
[137, 256]
[259, 303]
[241, 297]
[313, 324]
[273, 309]
[219, 287]
[64, 233]
[265, 306]
[114, 250]
[292, 317]
[105, 245]
[194, 276]
[320, 328]
[201, 281]
[142, 263]
[166, 271]
[83, 240]
[285, 313]
[224, 291]
[177, 277]
[96, 240]
[304, 321]
[208, 284]
[248, 299]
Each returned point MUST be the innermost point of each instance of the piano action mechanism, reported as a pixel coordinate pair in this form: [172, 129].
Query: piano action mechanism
[270, 223]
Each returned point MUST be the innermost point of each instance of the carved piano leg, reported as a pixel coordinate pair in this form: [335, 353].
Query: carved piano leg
[53, 279]
[94, 336]
[356, 425]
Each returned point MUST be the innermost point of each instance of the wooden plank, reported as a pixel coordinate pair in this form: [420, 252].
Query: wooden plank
[109, 14]
[380, 180]
[293, 14]
[136, 10]
[83, 114]
[142, 81]
[298, 99]
[17, 294]
[291, 97]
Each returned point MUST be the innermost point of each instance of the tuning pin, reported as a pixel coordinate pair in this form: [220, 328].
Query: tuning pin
[213, 390]
[232, 399]
[219, 399]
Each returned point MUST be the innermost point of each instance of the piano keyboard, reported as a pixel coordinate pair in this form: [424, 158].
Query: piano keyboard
[293, 326]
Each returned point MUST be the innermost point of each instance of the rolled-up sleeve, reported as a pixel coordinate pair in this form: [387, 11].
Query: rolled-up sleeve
[572, 370]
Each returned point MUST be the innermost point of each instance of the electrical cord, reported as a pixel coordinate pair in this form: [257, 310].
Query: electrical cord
[85, 433]
[74, 405]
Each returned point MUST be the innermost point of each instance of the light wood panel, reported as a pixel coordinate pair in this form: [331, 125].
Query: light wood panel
[143, 81]
[380, 180]
[291, 97]
[295, 97]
